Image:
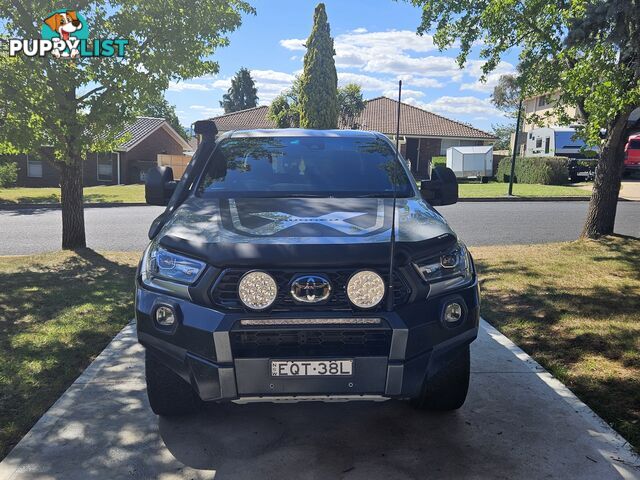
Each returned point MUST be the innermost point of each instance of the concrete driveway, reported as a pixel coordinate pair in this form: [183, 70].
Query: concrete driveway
[518, 422]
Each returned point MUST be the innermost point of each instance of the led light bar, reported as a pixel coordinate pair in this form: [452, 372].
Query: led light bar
[310, 321]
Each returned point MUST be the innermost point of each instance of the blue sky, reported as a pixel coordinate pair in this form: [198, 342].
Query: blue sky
[376, 45]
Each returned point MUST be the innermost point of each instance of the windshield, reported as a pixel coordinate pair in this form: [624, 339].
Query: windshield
[568, 140]
[304, 166]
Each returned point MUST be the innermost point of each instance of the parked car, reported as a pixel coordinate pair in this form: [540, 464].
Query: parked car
[632, 155]
[268, 276]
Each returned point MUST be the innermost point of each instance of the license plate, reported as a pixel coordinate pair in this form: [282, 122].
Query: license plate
[311, 368]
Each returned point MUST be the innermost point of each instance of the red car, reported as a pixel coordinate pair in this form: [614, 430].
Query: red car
[632, 155]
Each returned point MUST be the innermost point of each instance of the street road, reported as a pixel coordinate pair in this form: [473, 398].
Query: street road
[28, 231]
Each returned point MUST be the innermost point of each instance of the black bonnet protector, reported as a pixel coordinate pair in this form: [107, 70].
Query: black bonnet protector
[304, 232]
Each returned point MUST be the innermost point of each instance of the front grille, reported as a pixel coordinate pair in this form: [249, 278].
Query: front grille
[308, 343]
[224, 293]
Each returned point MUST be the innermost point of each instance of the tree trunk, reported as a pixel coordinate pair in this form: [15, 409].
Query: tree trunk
[601, 216]
[73, 235]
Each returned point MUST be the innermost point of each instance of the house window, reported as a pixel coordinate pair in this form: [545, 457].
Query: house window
[34, 167]
[105, 168]
[543, 101]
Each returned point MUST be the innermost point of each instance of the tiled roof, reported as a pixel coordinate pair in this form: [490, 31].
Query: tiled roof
[140, 129]
[381, 112]
[249, 119]
[379, 115]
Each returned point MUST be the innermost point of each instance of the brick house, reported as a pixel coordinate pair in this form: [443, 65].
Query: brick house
[145, 138]
[423, 135]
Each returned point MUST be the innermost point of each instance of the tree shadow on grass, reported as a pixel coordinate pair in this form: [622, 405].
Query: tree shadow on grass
[584, 331]
[55, 317]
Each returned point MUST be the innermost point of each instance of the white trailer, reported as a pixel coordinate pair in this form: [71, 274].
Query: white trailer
[467, 162]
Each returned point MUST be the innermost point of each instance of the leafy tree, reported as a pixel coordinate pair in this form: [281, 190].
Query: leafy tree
[506, 95]
[79, 105]
[159, 107]
[350, 104]
[242, 94]
[586, 51]
[503, 132]
[285, 108]
[319, 81]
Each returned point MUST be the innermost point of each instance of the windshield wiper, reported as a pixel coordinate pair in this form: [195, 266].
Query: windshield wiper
[375, 195]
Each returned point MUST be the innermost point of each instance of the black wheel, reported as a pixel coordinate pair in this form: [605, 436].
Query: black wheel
[169, 395]
[447, 390]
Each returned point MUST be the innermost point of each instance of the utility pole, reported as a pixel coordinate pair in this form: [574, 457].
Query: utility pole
[515, 148]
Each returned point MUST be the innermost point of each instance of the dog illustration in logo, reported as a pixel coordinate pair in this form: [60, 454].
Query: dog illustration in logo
[64, 24]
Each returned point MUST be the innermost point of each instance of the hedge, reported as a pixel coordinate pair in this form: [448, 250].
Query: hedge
[8, 174]
[435, 161]
[542, 170]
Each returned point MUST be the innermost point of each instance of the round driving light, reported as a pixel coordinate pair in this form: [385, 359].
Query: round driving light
[165, 316]
[257, 290]
[453, 312]
[365, 289]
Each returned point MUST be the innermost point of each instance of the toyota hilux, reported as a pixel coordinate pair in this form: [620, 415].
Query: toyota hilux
[294, 265]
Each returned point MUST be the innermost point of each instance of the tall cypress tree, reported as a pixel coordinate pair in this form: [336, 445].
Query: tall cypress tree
[318, 97]
[242, 94]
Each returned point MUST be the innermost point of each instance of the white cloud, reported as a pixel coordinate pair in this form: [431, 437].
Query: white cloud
[406, 93]
[294, 43]
[474, 69]
[430, 66]
[272, 76]
[422, 82]
[367, 82]
[182, 86]
[207, 111]
[359, 30]
[463, 106]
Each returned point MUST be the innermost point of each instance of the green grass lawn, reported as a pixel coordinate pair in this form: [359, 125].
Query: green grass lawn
[495, 189]
[103, 193]
[135, 193]
[575, 308]
[57, 312]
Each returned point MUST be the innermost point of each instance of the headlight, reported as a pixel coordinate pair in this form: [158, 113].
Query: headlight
[257, 290]
[169, 271]
[450, 269]
[365, 289]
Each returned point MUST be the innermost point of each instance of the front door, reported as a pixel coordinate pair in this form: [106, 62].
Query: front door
[412, 154]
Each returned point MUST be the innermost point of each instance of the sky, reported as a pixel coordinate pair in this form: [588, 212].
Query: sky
[376, 45]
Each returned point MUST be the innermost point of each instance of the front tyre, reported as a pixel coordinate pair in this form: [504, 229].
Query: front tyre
[169, 395]
[447, 390]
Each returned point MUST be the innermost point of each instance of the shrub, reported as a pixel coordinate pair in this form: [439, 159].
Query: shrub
[8, 174]
[435, 161]
[543, 170]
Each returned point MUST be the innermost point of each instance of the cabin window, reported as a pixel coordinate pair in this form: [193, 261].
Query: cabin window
[34, 167]
[539, 142]
[547, 144]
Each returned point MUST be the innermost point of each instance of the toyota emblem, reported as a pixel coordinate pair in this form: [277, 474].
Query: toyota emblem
[310, 289]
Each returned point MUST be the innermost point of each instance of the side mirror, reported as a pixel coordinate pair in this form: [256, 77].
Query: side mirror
[442, 189]
[159, 185]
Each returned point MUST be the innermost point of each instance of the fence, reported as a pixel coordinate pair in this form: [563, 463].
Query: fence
[177, 162]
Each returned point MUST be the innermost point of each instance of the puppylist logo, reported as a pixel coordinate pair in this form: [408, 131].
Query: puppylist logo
[65, 34]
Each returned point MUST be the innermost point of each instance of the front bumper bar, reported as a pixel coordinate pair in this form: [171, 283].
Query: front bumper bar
[200, 348]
